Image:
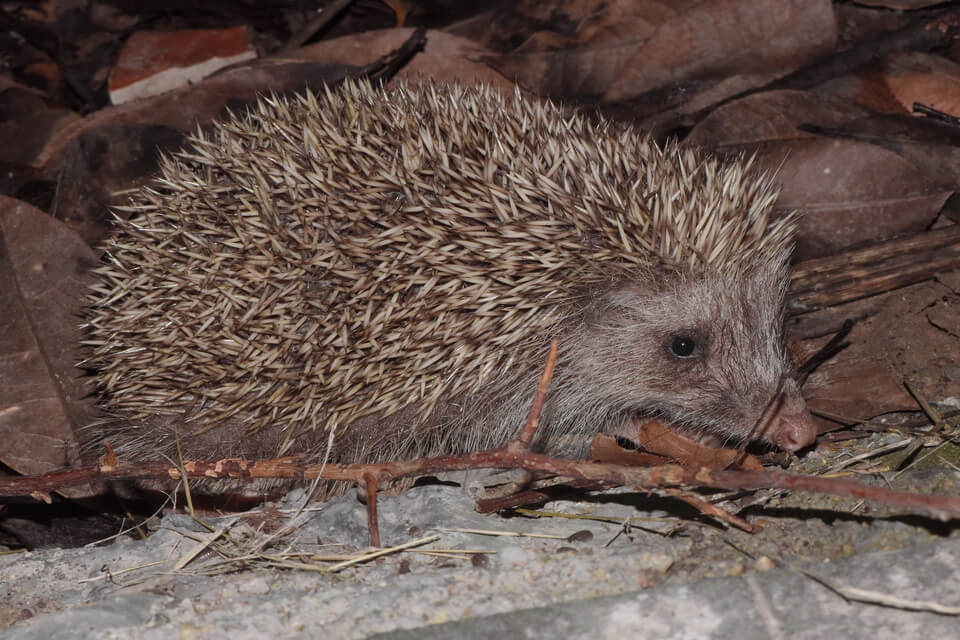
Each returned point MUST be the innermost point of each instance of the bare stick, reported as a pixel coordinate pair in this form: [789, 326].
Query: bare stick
[941, 507]
[370, 484]
[533, 418]
[712, 510]
[858, 273]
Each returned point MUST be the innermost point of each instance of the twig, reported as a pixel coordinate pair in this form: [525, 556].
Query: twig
[936, 114]
[928, 409]
[533, 418]
[827, 351]
[387, 66]
[713, 510]
[370, 484]
[759, 426]
[515, 455]
[941, 507]
[535, 496]
[872, 453]
[314, 24]
[858, 273]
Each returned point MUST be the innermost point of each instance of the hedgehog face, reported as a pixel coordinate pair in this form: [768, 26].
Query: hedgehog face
[704, 353]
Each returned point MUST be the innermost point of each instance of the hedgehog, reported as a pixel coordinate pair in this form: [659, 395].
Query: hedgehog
[363, 274]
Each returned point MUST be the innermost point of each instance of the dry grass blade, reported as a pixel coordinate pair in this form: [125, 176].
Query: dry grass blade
[119, 572]
[382, 552]
[867, 596]
[207, 540]
[506, 534]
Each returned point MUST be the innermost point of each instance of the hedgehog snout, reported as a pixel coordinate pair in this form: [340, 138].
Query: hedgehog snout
[791, 427]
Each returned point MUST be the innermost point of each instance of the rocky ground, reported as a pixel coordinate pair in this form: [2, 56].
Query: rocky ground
[668, 573]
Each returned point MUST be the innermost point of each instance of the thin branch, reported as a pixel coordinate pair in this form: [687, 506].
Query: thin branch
[941, 507]
[536, 408]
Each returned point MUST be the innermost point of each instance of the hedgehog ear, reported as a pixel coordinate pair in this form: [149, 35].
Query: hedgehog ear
[773, 273]
[628, 295]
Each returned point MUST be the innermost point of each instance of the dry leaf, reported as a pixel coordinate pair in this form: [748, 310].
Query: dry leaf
[769, 117]
[627, 49]
[899, 341]
[849, 192]
[604, 448]
[43, 397]
[667, 447]
[916, 77]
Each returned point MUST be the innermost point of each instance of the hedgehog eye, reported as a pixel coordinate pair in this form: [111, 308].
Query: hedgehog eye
[683, 346]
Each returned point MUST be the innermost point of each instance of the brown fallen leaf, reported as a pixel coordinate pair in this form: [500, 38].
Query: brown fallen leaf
[31, 121]
[698, 52]
[899, 340]
[604, 448]
[929, 79]
[665, 446]
[770, 116]
[851, 192]
[43, 395]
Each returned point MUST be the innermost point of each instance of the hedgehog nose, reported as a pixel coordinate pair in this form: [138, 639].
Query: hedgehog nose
[793, 428]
